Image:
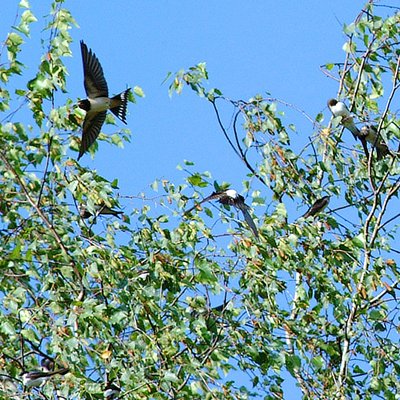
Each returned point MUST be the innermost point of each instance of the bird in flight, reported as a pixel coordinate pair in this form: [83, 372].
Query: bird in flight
[317, 207]
[37, 378]
[232, 198]
[370, 133]
[97, 102]
[339, 109]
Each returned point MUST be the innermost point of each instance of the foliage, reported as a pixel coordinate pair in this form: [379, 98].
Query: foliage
[168, 309]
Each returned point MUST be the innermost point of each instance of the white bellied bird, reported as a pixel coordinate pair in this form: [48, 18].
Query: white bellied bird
[232, 198]
[37, 378]
[97, 102]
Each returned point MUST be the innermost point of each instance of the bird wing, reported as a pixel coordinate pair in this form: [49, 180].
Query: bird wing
[91, 129]
[104, 210]
[212, 196]
[317, 207]
[94, 81]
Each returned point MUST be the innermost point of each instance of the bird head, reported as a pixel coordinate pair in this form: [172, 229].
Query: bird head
[332, 102]
[84, 104]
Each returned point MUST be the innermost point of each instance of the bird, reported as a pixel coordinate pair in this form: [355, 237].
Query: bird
[97, 102]
[232, 198]
[101, 209]
[47, 364]
[370, 133]
[339, 109]
[37, 378]
[317, 207]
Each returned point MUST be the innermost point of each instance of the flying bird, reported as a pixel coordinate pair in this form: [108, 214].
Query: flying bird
[37, 378]
[232, 198]
[101, 209]
[317, 207]
[339, 109]
[370, 133]
[97, 102]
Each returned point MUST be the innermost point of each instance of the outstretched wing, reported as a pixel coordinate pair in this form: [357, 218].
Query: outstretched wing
[212, 196]
[94, 81]
[91, 129]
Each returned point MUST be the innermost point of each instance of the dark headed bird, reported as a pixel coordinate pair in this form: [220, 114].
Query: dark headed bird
[232, 198]
[100, 210]
[47, 364]
[317, 207]
[339, 109]
[37, 378]
[97, 102]
[370, 133]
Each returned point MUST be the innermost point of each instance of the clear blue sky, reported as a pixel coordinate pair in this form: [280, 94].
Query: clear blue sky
[250, 47]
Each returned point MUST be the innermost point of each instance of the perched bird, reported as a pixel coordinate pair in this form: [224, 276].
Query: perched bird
[37, 378]
[101, 209]
[339, 109]
[317, 207]
[232, 198]
[47, 364]
[370, 133]
[97, 102]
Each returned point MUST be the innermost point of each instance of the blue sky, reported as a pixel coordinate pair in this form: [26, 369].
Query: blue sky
[250, 47]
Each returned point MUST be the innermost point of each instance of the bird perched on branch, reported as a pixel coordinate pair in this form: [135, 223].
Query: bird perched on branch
[37, 378]
[97, 102]
[232, 198]
[370, 133]
[339, 109]
[317, 207]
[101, 209]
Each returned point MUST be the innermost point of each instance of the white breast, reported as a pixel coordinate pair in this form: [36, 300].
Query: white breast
[99, 104]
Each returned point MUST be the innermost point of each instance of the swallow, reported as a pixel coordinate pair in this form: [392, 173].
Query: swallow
[100, 210]
[47, 364]
[339, 109]
[38, 378]
[370, 133]
[232, 198]
[97, 102]
[317, 207]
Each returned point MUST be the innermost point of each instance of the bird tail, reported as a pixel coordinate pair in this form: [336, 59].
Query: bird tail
[249, 220]
[121, 101]
[348, 123]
